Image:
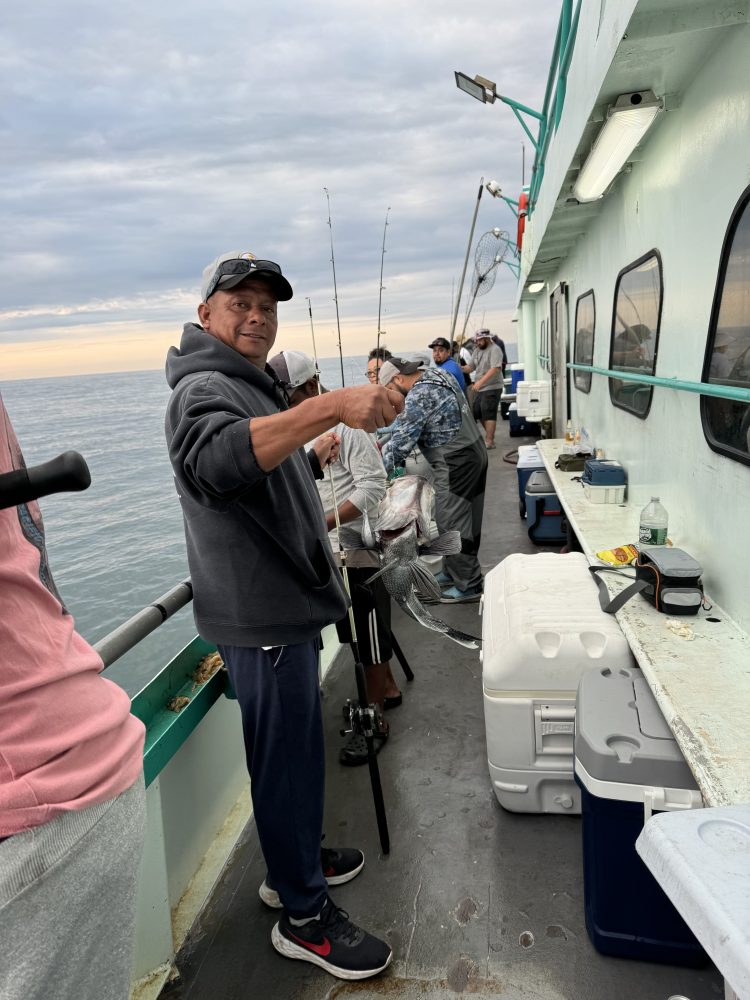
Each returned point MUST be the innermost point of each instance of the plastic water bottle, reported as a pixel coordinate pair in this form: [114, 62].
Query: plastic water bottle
[653, 524]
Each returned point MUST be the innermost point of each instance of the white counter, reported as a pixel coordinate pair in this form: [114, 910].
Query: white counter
[702, 685]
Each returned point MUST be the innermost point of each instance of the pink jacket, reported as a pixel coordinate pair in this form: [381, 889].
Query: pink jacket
[67, 738]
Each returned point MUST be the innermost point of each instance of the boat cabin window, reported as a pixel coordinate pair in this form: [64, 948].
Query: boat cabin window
[583, 350]
[635, 332]
[726, 422]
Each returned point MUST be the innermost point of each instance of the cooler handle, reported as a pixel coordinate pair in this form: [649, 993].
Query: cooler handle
[669, 800]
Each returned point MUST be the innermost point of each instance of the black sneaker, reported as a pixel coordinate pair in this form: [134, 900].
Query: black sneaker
[334, 943]
[339, 865]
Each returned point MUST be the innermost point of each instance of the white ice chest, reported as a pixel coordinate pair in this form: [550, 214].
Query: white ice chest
[533, 400]
[542, 627]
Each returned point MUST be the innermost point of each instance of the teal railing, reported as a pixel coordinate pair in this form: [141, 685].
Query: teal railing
[554, 96]
[735, 393]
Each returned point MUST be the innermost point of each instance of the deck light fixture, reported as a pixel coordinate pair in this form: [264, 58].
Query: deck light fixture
[495, 190]
[479, 88]
[535, 287]
[626, 123]
[484, 90]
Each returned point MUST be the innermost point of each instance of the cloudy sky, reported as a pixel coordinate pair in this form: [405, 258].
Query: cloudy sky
[141, 140]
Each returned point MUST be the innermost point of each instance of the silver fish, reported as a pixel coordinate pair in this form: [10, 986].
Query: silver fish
[400, 533]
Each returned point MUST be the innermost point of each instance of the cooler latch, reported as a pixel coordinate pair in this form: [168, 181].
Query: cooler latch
[669, 800]
[554, 728]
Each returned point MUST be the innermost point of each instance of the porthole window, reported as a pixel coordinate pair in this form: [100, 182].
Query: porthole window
[583, 350]
[635, 332]
[726, 422]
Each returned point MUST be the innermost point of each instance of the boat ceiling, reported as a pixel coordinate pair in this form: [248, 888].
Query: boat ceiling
[663, 45]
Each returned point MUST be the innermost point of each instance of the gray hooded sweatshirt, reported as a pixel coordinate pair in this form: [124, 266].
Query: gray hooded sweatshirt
[262, 569]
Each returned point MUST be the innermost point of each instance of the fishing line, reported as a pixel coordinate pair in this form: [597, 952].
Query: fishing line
[361, 715]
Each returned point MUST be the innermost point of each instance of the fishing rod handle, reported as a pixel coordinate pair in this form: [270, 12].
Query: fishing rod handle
[68, 473]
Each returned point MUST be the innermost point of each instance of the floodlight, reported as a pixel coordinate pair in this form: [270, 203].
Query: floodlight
[535, 287]
[480, 88]
[626, 123]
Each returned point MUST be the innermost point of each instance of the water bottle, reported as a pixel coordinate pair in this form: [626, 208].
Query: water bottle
[653, 524]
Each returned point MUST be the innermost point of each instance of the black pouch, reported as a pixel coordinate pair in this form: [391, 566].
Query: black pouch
[571, 463]
[668, 578]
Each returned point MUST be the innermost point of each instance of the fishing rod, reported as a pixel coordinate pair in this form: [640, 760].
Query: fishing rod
[359, 714]
[380, 292]
[466, 260]
[335, 291]
[67, 473]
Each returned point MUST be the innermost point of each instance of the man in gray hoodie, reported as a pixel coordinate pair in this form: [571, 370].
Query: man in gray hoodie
[265, 583]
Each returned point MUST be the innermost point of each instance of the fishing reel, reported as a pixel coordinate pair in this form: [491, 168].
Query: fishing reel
[359, 719]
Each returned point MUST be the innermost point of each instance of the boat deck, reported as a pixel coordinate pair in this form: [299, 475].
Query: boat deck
[475, 900]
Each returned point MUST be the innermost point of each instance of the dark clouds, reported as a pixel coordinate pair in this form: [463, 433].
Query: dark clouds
[141, 140]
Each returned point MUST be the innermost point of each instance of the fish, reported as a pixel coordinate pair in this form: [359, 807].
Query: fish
[400, 534]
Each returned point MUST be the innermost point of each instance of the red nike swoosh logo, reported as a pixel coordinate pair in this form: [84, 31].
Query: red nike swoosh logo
[320, 949]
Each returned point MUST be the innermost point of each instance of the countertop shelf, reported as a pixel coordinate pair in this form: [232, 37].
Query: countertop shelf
[702, 684]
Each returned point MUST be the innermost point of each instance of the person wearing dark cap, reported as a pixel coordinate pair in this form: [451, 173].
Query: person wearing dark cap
[438, 419]
[441, 355]
[265, 583]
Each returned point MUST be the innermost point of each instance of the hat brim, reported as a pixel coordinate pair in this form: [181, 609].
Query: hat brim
[281, 287]
[439, 343]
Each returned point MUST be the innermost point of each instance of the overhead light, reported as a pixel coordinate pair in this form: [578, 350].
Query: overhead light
[480, 88]
[535, 287]
[627, 122]
[494, 189]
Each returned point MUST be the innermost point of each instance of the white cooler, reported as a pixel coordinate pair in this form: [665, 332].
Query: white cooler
[542, 627]
[533, 400]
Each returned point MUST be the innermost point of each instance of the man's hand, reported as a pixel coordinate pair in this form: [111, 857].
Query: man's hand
[368, 406]
[326, 447]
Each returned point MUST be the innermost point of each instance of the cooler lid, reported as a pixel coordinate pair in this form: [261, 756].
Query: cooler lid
[529, 457]
[621, 734]
[539, 482]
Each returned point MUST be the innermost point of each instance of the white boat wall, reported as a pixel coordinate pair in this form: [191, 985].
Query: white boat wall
[671, 208]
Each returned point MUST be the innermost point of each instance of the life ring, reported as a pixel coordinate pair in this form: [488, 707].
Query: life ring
[523, 208]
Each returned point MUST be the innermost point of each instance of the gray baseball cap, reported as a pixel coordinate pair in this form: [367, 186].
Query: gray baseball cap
[232, 268]
[398, 366]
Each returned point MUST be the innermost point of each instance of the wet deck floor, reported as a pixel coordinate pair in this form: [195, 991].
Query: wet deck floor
[474, 900]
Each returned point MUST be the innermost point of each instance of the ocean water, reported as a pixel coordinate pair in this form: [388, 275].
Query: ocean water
[119, 545]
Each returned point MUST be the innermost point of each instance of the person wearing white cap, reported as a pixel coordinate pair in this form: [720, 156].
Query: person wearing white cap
[486, 389]
[438, 419]
[265, 583]
[359, 481]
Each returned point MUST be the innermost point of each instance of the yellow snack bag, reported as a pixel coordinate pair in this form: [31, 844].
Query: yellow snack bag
[623, 555]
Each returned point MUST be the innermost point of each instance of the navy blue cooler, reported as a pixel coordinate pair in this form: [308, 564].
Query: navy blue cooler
[628, 765]
[547, 523]
[529, 461]
[519, 426]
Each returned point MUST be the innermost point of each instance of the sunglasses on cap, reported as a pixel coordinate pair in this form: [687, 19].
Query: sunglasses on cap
[239, 266]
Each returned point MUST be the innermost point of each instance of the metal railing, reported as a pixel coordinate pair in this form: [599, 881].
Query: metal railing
[738, 395]
[554, 96]
[145, 621]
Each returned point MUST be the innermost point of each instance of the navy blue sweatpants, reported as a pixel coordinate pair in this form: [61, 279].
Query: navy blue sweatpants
[279, 698]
